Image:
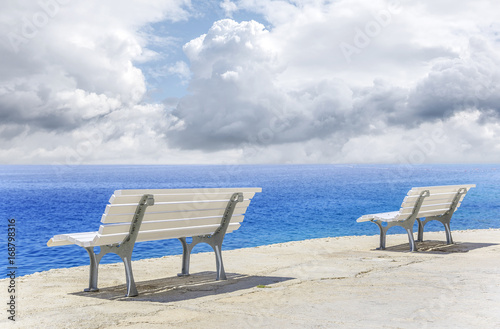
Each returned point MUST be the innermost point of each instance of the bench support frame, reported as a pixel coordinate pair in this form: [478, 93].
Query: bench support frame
[407, 224]
[124, 249]
[214, 240]
[444, 219]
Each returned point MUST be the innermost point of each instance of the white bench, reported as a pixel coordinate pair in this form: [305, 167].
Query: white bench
[132, 216]
[432, 203]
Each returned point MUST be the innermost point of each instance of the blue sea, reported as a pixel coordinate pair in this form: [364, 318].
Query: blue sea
[297, 202]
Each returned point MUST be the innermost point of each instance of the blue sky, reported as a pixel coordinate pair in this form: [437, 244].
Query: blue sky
[249, 81]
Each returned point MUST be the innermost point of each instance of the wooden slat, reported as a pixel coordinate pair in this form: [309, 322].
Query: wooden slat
[188, 197]
[170, 207]
[400, 217]
[434, 196]
[429, 204]
[82, 239]
[161, 234]
[166, 224]
[437, 212]
[385, 216]
[410, 201]
[183, 232]
[422, 214]
[71, 238]
[181, 191]
[58, 240]
[444, 207]
[127, 218]
[440, 189]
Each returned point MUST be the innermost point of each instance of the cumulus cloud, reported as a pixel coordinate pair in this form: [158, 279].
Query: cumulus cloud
[69, 68]
[318, 81]
[455, 85]
[64, 60]
[291, 85]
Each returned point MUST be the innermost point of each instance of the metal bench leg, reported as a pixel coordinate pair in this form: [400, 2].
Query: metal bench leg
[420, 236]
[186, 256]
[408, 226]
[449, 239]
[445, 220]
[94, 265]
[131, 288]
[383, 235]
[125, 252]
[221, 274]
[410, 238]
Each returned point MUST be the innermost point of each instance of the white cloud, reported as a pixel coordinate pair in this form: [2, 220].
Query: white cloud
[295, 87]
[323, 81]
[461, 138]
[229, 7]
[68, 68]
[181, 69]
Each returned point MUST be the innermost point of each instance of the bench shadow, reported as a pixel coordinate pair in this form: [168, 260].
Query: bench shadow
[440, 247]
[174, 289]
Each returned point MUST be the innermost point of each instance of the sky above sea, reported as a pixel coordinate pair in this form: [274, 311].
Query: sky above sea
[261, 81]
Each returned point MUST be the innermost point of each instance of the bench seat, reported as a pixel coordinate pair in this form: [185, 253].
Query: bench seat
[384, 216]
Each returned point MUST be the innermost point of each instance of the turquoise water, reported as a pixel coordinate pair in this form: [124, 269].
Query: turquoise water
[297, 202]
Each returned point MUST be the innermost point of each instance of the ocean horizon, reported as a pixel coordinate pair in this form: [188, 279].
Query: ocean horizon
[297, 202]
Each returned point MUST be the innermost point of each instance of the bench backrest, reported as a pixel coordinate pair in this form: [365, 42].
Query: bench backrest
[175, 213]
[439, 201]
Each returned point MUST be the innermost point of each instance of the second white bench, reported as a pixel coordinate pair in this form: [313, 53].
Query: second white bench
[432, 203]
